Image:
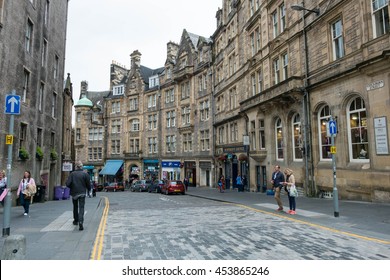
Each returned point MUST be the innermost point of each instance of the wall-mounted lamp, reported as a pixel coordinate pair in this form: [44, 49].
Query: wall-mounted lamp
[297, 7]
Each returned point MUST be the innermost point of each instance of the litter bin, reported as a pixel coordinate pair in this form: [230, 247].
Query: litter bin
[58, 192]
[66, 194]
[40, 194]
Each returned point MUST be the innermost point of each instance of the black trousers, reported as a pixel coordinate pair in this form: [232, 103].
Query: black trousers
[78, 209]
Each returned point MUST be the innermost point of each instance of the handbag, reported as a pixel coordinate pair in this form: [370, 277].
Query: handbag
[293, 191]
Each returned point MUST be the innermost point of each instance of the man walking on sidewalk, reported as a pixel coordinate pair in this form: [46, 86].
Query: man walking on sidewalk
[78, 182]
[277, 182]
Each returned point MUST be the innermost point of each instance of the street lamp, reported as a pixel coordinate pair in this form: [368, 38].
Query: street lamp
[306, 100]
[297, 7]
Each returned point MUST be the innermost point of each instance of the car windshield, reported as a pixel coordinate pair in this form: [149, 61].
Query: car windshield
[176, 182]
[144, 182]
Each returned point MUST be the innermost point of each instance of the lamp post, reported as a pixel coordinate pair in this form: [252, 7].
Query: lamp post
[306, 101]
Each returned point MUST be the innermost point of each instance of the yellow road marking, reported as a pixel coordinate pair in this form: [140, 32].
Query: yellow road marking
[98, 246]
[315, 225]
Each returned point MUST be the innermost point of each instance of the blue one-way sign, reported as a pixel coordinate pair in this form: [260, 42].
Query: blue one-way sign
[332, 128]
[12, 104]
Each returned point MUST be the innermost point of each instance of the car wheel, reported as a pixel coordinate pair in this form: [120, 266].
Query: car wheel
[183, 193]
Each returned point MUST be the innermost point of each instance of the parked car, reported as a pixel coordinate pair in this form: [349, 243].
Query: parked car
[114, 187]
[173, 187]
[156, 186]
[140, 186]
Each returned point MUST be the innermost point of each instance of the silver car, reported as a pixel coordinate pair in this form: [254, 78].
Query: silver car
[141, 186]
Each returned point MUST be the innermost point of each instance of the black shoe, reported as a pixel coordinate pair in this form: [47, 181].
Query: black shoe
[75, 223]
[81, 226]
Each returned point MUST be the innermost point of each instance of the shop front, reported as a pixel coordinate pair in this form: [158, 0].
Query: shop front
[151, 169]
[112, 171]
[205, 173]
[90, 169]
[170, 170]
[235, 164]
[190, 172]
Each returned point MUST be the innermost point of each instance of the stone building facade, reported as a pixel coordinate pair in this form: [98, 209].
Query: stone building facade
[90, 130]
[159, 121]
[294, 72]
[276, 83]
[32, 54]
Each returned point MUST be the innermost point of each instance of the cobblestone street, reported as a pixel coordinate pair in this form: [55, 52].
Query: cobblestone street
[190, 228]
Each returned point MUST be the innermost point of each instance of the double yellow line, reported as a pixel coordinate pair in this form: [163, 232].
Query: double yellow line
[316, 225]
[98, 246]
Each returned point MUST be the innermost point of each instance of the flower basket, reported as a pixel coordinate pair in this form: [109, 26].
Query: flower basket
[23, 154]
[222, 158]
[243, 157]
[39, 154]
[53, 155]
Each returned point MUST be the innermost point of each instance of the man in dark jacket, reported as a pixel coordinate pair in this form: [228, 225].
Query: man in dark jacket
[277, 182]
[78, 182]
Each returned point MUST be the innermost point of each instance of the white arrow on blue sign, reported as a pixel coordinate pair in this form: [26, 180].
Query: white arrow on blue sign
[12, 104]
[332, 127]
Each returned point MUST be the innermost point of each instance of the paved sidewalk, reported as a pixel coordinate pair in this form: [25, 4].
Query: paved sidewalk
[362, 218]
[50, 234]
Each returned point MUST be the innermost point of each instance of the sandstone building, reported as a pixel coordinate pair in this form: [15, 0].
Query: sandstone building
[32, 54]
[276, 83]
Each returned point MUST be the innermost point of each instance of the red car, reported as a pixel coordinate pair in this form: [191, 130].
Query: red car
[114, 187]
[173, 187]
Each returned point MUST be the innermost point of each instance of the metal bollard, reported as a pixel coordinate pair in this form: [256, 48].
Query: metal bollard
[14, 248]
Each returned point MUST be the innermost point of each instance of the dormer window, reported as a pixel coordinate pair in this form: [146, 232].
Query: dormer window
[118, 90]
[154, 81]
[183, 63]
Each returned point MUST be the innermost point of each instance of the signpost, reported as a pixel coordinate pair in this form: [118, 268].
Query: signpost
[12, 108]
[333, 131]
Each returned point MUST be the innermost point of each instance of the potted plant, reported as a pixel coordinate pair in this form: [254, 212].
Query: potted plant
[53, 154]
[39, 153]
[23, 154]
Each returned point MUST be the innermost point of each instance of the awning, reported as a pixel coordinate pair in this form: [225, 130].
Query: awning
[111, 167]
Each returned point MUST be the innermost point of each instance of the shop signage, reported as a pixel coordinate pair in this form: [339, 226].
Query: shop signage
[381, 138]
[171, 164]
[67, 166]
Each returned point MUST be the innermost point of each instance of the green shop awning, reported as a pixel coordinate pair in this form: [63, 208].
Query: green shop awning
[111, 167]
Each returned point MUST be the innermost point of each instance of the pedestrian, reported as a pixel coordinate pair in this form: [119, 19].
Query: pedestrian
[221, 184]
[186, 182]
[277, 183]
[3, 186]
[78, 182]
[239, 183]
[245, 183]
[290, 181]
[26, 191]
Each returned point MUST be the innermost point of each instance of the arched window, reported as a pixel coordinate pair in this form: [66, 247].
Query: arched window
[324, 139]
[357, 128]
[279, 139]
[134, 125]
[296, 137]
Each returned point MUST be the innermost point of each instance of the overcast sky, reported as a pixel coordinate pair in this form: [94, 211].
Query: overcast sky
[102, 31]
